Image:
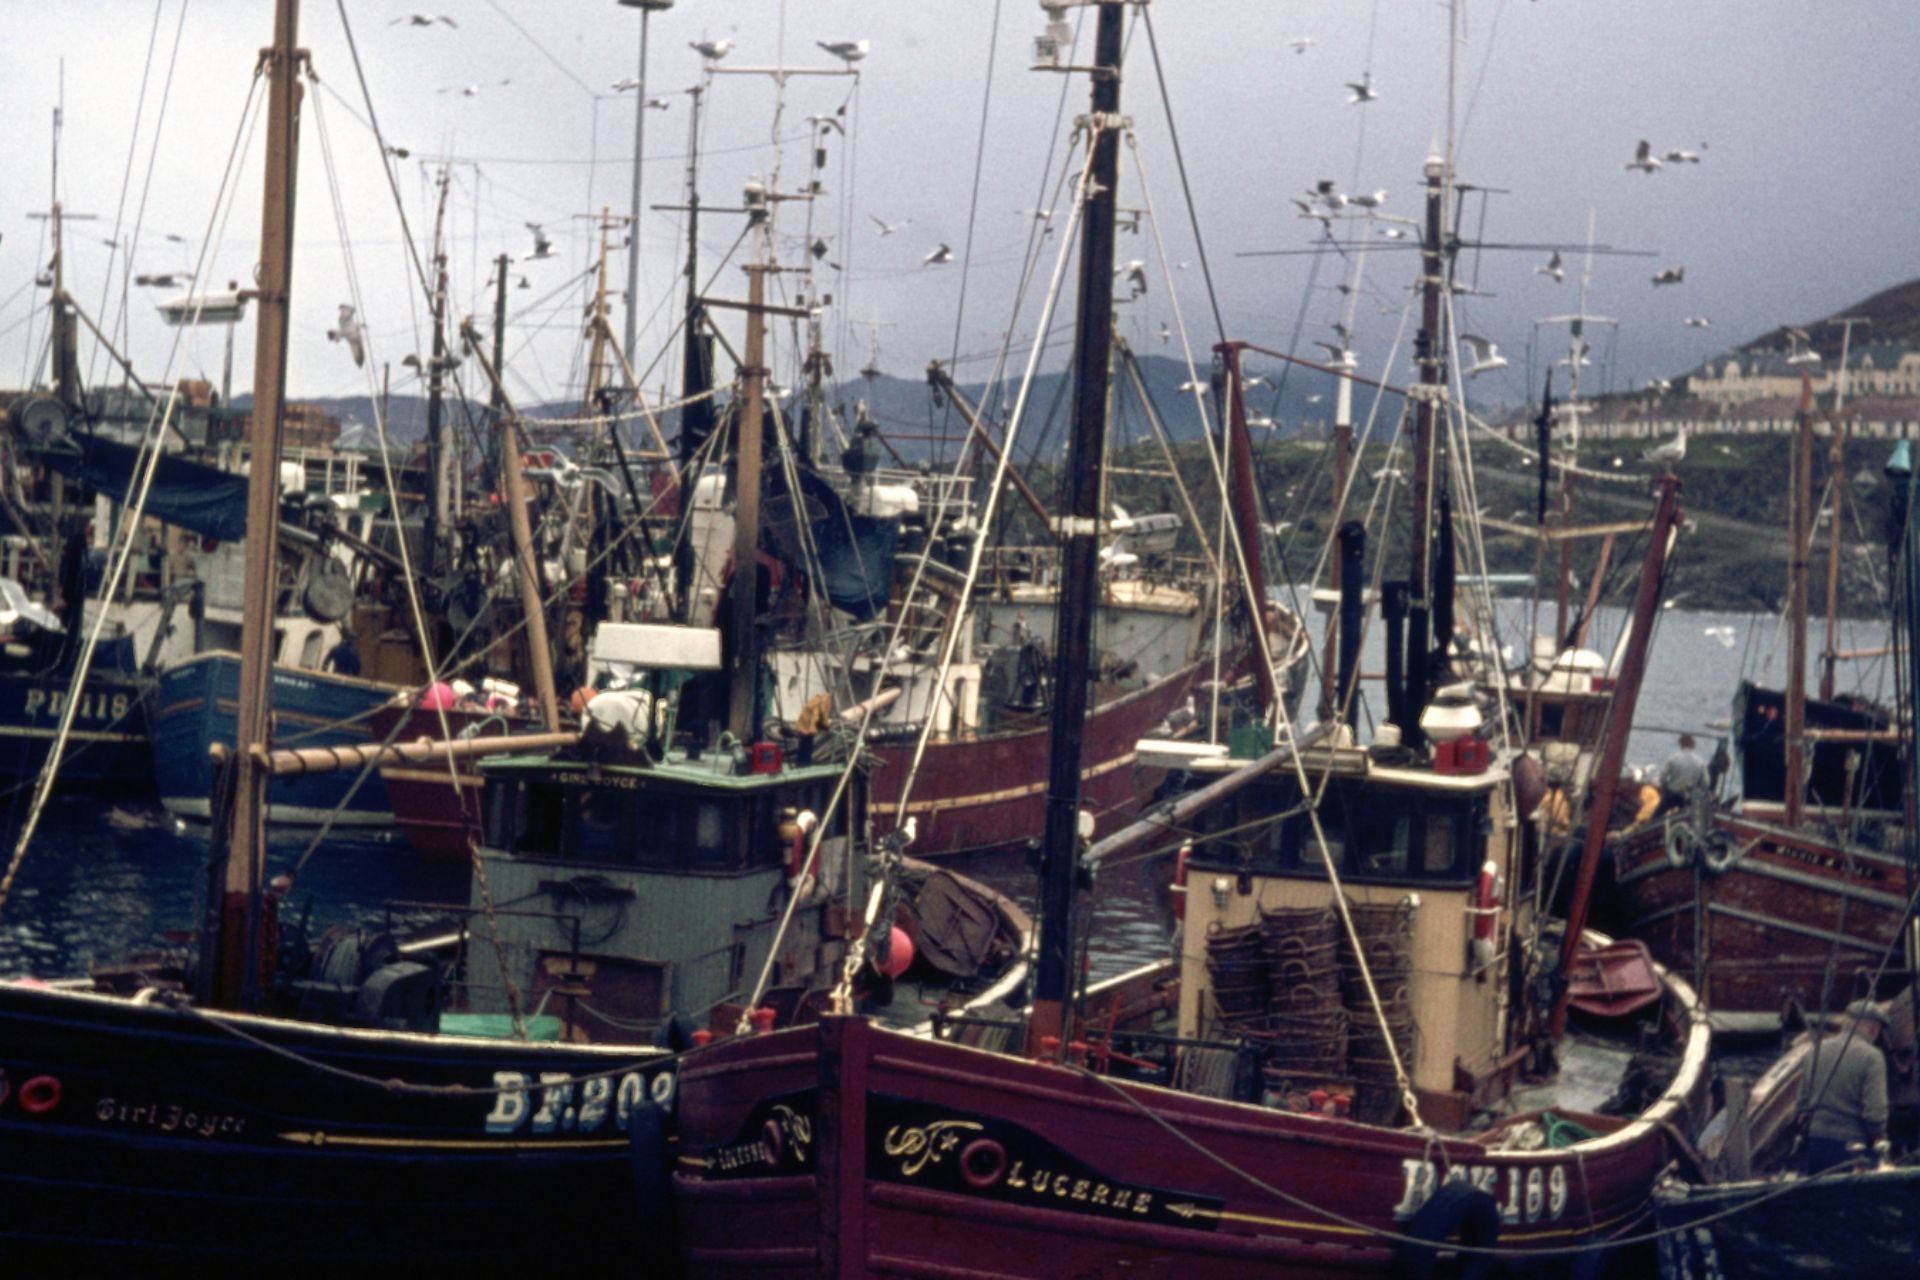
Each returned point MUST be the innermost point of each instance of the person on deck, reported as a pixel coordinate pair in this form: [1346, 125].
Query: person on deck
[1843, 1095]
[1683, 773]
[344, 658]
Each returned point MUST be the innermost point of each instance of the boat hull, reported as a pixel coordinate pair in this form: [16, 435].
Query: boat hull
[196, 705]
[864, 1152]
[177, 1137]
[1864, 1225]
[989, 791]
[1762, 930]
[436, 809]
[108, 744]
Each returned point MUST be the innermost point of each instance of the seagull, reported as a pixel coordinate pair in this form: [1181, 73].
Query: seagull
[1363, 91]
[1135, 273]
[423, 20]
[1260, 423]
[1809, 356]
[1643, 158]
[1674, 450]
[1579, 355]
[1670, 275]
[1696, 322]
[350, 333]
[1301, 44]
[848, 51]
[1683, 157]
[524, 283]
[165, 280]
[1395, 233]
[711, 50]
[542, 247]
[1723, 634]
[1659, 386]
[398, 153]
[888, 228]
[938, 257]
[1486, 355]
[1553, 269]
[1386, 473]
[1166, 333]
[1191, 388]
[1339, 358]
[1327, 191]
[1372, 200]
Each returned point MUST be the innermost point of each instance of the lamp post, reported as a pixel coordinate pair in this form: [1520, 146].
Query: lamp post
[647, 9]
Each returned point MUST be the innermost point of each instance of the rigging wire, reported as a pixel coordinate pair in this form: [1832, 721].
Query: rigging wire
[973, 211]
[116, 244]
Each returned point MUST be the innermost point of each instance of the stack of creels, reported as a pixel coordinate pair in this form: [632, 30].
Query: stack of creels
[1238, 967]
[1384, 937]
[1305, 1028]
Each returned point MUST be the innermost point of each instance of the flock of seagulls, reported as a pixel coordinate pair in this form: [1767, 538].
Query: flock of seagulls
[1645, 161]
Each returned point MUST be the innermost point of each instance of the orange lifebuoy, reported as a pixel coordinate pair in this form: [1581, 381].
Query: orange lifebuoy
[40, 1095]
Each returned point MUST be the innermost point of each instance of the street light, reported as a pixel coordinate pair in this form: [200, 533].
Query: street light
[647, 9]
[228, 308]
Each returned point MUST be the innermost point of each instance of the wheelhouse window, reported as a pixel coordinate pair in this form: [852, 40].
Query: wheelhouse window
[1371, 832]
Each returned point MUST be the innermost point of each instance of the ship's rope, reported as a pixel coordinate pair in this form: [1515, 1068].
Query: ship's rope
[136, 499]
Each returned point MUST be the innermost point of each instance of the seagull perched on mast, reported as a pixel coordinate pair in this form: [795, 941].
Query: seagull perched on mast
[848, 51]
[1372, 200]
[1674, 450]
[1486, 355]
[350, 333]
[1643, 158]
[1553, 269]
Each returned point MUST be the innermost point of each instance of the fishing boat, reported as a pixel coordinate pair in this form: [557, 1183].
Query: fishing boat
[347, 1100]
[1777, 901]
[1327, 1079]
[1746, 1213]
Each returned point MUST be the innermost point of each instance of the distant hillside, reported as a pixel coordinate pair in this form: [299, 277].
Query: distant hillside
[1894, 315]
[907, 416]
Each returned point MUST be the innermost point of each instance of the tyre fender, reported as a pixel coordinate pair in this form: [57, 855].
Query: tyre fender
[1456, 1213]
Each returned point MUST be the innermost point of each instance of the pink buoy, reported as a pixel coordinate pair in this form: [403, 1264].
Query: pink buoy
[439, 696]
[899, 953]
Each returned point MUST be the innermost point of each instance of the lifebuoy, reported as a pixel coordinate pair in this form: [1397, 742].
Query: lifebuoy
[1486, 902]
[1455, 1213]
[40, 1095]
[1180, 861]
[1679, 844]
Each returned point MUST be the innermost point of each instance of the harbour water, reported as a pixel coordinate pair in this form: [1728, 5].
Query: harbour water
[106, 877]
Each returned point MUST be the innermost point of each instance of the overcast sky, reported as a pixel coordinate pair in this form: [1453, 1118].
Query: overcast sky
[1802, 200]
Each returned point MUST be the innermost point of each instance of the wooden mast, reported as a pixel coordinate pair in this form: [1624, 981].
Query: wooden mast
[1795, 790]
[1246, 519]
[742, 710]
[1613, 751]
[236, 972]
[1080, 541]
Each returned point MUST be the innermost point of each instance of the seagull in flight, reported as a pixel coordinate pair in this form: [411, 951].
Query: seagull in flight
[711, 50]
[1643, 158]
[423, 20]
[1553, 269]
[1363, 91]
[1723, 634]
[848, 51]
[939, 257]
[1166, 333]
[1135, 273]
[350, 333]
[398, 153]
[165, 280]
[1339, 358]
[1486, 355]
[888, 228]
[1678, 156]
[1670, 275]
[542, 247]
[1300, 44]
[1696, 322]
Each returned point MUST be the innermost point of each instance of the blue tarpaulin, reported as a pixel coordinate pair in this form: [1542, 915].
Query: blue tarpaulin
[210, 502]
